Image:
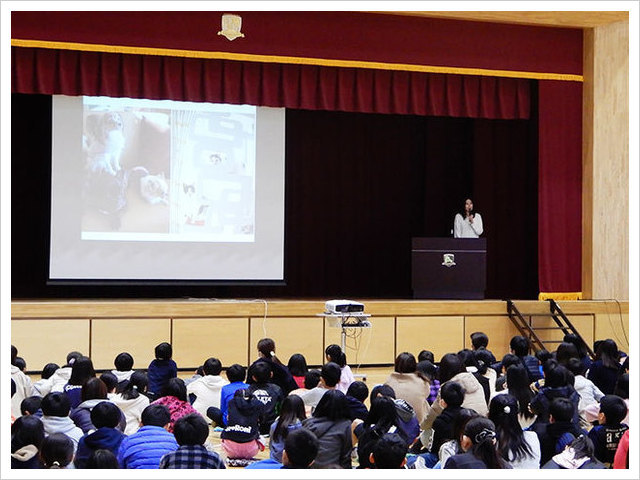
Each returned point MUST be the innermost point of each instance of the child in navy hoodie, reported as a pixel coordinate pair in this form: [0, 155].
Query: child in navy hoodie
[161, 370]
[269, 394]
[105, 417]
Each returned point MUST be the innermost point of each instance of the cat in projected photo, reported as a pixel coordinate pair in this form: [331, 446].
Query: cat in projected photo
[105, 142]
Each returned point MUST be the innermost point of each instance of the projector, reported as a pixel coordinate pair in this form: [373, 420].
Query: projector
[343, 306]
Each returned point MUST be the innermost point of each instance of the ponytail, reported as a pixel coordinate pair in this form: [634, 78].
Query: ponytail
[137, 385]
[482, 433]
[336, 355]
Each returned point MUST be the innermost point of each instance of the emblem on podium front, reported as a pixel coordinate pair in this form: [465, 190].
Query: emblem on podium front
[448, 260]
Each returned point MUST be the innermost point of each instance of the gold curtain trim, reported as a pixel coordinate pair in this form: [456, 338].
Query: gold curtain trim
[246, 57]
[560, 295]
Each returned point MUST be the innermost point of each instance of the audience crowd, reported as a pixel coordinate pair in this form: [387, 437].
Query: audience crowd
[471, 410]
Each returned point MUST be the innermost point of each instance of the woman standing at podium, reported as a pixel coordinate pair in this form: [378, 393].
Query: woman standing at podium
[467, 223]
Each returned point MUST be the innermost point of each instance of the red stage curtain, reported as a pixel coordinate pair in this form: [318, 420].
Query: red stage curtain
[560, 186]
[45, 71]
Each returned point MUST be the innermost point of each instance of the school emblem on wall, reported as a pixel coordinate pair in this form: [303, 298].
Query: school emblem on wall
[448, 260]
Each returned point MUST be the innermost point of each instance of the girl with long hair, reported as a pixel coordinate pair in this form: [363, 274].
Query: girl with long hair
[479, 444]
[280, 373]
[334, 353]
[604, 371]
[518, 448]
[132, 400]
[292, 413]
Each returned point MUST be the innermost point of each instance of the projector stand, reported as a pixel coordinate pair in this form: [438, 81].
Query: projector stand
[346, 320]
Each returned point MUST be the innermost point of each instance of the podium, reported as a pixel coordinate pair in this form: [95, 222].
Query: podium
[449, 268]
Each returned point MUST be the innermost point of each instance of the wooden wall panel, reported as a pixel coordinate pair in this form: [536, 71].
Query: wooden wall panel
[613, 325]
[292, 335]
[139, 337]
[196, 339]
[439, 334]
[46, 340]
[500, 330]
[375, 345]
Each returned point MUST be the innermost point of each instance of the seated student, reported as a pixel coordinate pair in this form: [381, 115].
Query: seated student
[311, 381]
[472, 366]
[240, 438]
[453, 446]
[174, 397]
[578, 454]
[426, 355]
[199, 374]
[102, 459]
[81, 371]
[297, 365]
[429, 371]
[478, 442]
[300, 451]
[236, 375]
[191, 432]
[93, 392]
[407, 419]
[604, 371]
[520, 347]
[207, 389]
[56, 451]
[483, 363]
[105, 416]
[607, 434]
[558, 383]
[22, 383]
[292, 414]
[451, 399]
[329, 378]
[501, 369]
[269, 394]
[62, 375]
[161, 370]
[132, 401]
[31, 406]
[382, 418]
[389, 452]
[55, 417]
[410, 385]
[27, 433]
[581, 347]
[111, 381]
[43, 386]
[123, 371]
[357, 393]
[480, 341]
[151, 442]
[334, 353]
[590, 395]
[560, 430]
[280, 373]
[332, 425]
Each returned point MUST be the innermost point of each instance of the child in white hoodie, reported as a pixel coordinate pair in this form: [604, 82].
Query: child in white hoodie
[207, 389]
[55, 417]
[132, 401]
[123, 371]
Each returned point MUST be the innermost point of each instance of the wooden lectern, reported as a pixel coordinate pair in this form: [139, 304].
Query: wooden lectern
[449, 268]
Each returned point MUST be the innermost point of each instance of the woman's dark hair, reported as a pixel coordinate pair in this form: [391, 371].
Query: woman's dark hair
[81, 371]
[578, 342]
[482, 433]
[334, 406]
[463, 210]
[311, 379]
[608, 353]
[137, 385]
[102, 459]
[565, 352]
[510, 359]
[450, 366]
[382, 415]
[291, 411]
[26, 430]
[548, 366]
[267, 347]
[21, 363]
[503, 412]
[405, 363]
[56, 451]
[622, 386]
[94, 388]
[575, 366]
[382, 390]
[336, 355]
[297, 365]
[49, 369]
[123, 362]
[543, 355]
[175, 387]
[468, 358]
[518, 385]
[72, 357]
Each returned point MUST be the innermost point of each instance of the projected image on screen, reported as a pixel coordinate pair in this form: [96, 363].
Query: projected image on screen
[161, 190]
[168, 170]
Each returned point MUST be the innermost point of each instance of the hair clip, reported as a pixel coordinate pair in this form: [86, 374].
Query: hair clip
[484, 434]
[56, 463]
[506, 409]
[135, 387]
[273, 354]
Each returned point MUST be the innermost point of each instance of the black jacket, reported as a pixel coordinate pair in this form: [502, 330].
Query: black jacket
[244, 412]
